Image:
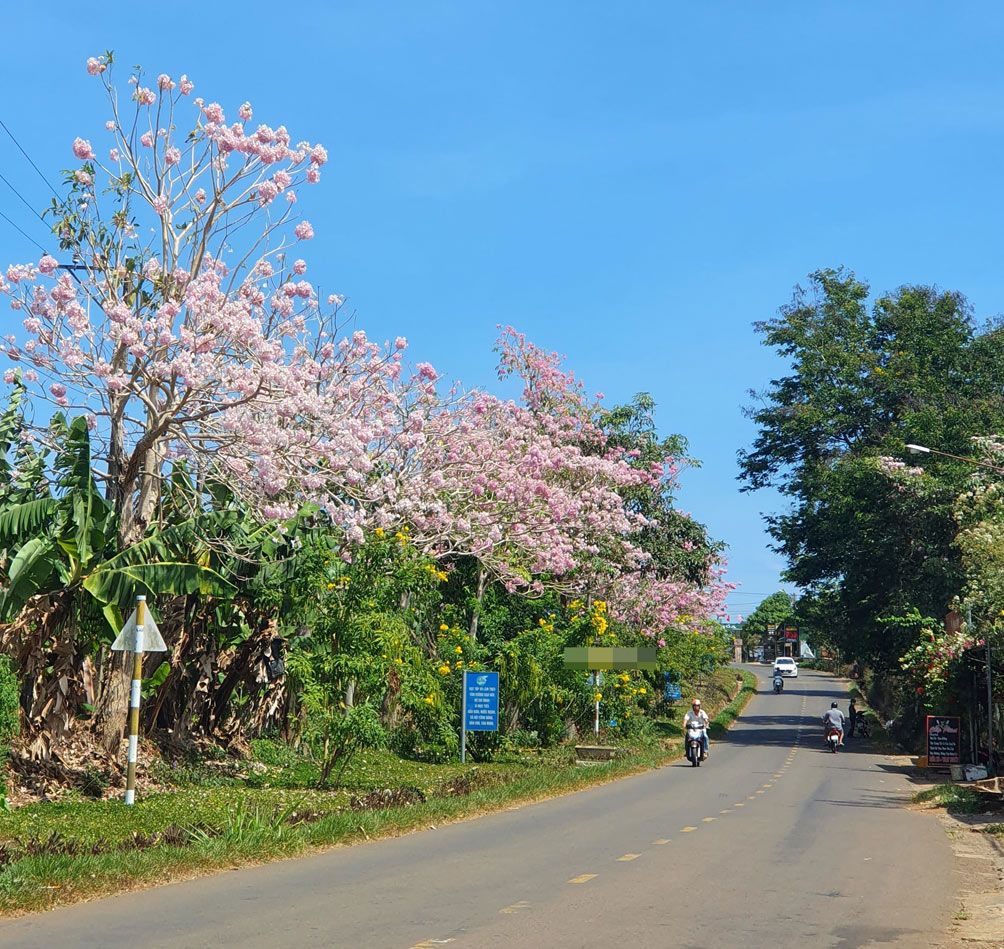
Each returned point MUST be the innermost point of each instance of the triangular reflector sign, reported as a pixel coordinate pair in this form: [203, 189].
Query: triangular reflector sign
[152, 641]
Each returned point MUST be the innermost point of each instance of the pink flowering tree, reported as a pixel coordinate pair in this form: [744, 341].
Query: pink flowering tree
[180, 320]
[177, 317]
[526, 488]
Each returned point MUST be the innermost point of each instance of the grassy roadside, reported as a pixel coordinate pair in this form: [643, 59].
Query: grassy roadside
[66, 852]
[961, 800]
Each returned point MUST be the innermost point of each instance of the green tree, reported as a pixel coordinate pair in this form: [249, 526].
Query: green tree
[770, 611]
[865, 379]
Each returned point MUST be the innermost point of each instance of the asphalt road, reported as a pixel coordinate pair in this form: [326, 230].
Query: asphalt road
[775, 842]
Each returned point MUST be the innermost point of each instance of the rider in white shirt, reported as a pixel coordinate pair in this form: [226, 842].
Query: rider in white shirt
[698, 716]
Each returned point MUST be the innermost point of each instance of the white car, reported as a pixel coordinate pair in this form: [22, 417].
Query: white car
[786, 666]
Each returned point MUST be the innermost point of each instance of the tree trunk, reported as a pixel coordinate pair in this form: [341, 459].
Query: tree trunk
[112, 706]
[479, 596]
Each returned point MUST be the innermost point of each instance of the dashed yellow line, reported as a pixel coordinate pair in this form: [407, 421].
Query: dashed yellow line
[687, 830]
[515, 907]
[628, 856]
[726, 811]
[740, 804]
[660, 841]
[708, 820]
[583, 878]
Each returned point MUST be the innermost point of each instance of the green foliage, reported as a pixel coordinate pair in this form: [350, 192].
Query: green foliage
[864, 380]
[10, 717]
[770, 611]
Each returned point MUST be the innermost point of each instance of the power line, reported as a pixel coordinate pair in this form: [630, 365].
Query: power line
[24, 200]
[22, 233]
[26, 155]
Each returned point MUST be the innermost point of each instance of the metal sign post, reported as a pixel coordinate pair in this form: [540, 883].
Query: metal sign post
[139, 633]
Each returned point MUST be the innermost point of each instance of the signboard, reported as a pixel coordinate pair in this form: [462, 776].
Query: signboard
[671, 691]
[791, 633]
[590, 658]
[944, 740]
[481, 701]
[151, 641]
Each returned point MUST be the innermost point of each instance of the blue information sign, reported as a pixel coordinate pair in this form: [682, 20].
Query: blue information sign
[481, 701]
[670, 688]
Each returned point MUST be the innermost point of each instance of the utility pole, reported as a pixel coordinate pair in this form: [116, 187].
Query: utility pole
[990, 714]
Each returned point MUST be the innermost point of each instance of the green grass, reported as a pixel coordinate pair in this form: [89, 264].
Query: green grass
[214, 820]
[955, 798]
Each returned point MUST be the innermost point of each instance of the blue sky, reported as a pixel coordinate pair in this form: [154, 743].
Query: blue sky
[630, 184]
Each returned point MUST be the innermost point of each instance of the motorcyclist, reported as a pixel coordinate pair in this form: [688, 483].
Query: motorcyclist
[834, 718]
[699, 717]
[778, 681]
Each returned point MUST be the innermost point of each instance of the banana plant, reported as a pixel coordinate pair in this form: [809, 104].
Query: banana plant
[66, 542]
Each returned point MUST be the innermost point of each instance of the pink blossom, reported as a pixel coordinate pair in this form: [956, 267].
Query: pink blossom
[146, 140]
[245, 112]
[145, 96]
[318, 155]
[400, 343]
[113, 154]
[304, 231]
[82, 149]
[214, 113]
[164, 81]
[160, 204]
[291, 197]
[9, 376]
[172, 155]
[58, 390]
[299, 266]
[47, 264]
[313, 175]
[95, 66]
[82, 177]
[185, 85]
[110, 125]
[200, 195]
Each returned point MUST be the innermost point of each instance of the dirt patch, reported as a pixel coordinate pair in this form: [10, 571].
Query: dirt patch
[979, 861]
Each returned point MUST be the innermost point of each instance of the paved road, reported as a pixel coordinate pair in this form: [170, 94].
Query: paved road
[774, 843]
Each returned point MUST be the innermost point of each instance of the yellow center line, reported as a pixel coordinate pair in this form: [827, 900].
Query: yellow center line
[761, 791]
[628, 856]
[740, 804]
[687, 830]
[726, 811]
[515, 907]
[583, 878]
[659, 841]
[752, 797]
[708, 820]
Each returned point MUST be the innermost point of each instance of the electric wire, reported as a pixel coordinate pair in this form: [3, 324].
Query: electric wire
[22, 233]
[26, 155]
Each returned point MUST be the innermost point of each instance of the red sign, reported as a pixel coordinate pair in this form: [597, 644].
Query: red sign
[944, 740]
[791, 633]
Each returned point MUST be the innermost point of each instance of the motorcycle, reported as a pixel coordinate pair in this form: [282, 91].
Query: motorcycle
[695, 746]
[832, 738]
[778, 685]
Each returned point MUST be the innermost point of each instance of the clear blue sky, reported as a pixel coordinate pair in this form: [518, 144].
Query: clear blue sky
[632, 184]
